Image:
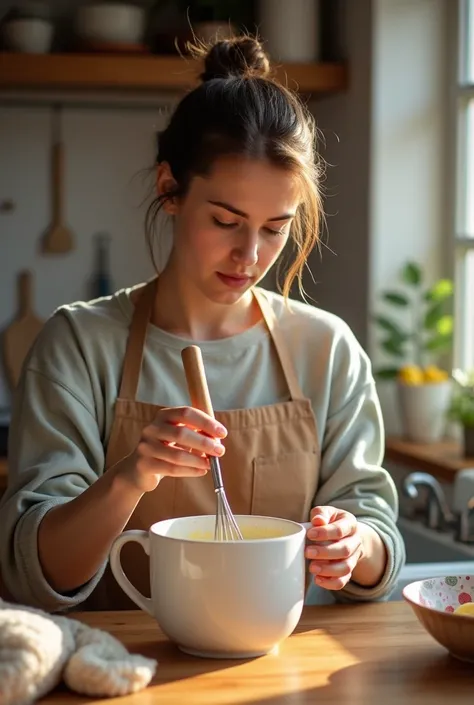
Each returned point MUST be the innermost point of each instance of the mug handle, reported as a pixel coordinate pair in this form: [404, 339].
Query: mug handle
[141, 537]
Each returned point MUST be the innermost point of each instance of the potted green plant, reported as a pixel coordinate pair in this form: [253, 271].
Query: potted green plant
[416, 330]
[461, 409]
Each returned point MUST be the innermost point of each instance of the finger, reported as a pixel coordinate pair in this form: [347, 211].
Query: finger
[185, 438]
[334, 569]
[192, 418]
[345, 526]
[160, 452]
[154, 466]
[323, 515]
[334, 551]
[331, 583]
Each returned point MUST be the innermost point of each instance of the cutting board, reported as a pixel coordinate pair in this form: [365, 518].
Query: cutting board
[19, 336]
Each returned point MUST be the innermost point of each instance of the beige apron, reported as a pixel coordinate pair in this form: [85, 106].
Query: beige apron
[270, 467]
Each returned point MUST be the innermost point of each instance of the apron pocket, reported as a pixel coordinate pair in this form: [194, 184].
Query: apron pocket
[285, 485]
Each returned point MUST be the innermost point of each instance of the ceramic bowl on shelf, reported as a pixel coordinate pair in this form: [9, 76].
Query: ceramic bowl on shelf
[438, 604]
[116, 23]
[28, 35]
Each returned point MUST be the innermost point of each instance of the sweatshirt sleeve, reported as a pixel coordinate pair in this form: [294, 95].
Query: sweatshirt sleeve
[351, 472]
[55, 453]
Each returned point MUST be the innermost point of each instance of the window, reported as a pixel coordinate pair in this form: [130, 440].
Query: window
[464, 193]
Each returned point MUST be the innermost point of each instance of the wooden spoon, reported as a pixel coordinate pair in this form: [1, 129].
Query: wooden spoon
[59, 238]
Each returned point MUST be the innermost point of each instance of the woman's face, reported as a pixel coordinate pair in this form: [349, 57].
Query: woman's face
[231, 226]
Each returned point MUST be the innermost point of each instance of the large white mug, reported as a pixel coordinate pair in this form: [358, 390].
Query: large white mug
[236, 599]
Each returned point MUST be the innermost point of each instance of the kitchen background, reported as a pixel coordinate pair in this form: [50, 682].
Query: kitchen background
[385, 141]
[387, 137]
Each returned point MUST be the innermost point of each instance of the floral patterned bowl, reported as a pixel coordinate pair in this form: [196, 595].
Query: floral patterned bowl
[434, 602]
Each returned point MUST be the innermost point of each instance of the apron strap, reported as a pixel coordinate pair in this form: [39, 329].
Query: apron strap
[136, 342]
[138, 332]
[280, 345]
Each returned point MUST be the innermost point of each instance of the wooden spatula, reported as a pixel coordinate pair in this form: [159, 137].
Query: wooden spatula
[58, 239]
[19, 336]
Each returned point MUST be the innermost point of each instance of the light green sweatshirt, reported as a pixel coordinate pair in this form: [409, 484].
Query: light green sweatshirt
[64, 409]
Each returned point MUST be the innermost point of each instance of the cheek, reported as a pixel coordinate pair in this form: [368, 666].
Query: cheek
[271, 249]
[196, 239]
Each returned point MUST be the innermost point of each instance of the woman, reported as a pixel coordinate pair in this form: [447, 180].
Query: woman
[102, 437]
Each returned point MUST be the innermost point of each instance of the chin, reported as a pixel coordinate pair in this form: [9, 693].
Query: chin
[222, 294]
[227, 297]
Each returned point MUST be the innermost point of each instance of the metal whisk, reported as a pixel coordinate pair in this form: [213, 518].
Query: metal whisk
[226, 528]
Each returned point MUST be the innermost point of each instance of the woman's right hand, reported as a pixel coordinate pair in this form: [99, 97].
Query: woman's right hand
[177, 444]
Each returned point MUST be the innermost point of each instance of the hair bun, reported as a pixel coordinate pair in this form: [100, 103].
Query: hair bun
[238, 56]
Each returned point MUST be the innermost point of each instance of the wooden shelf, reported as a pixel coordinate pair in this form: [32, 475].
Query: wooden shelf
[145, 73]
[443, 459]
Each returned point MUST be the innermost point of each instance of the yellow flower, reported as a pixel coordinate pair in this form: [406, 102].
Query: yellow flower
[411, 374]
[433, 373]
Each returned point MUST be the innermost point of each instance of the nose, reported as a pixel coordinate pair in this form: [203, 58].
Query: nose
[246, 252]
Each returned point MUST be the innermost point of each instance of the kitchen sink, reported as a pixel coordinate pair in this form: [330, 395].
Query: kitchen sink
[424, 545]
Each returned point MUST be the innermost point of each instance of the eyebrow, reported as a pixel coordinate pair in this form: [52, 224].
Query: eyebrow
[236, 211]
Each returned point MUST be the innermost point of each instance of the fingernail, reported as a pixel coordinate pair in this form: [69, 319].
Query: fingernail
[315, 569]
[218, 448]
[220, 430]
[314, 534]
[311, 552]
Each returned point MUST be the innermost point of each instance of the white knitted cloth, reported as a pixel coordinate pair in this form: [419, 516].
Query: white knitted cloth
[38, 650]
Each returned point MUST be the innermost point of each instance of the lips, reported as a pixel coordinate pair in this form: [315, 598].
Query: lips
[234, 280]
[241, 277]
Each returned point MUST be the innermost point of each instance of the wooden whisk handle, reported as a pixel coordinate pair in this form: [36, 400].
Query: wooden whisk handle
[196, 379]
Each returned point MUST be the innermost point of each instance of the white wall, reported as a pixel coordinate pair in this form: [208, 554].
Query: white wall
[105, 151]
[409, 174]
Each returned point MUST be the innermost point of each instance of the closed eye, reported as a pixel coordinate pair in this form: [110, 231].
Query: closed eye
[220, 224]
[230, 226]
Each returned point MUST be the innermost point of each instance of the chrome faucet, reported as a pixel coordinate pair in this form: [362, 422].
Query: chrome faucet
[438, 513]
[463, 504]
[464, 533]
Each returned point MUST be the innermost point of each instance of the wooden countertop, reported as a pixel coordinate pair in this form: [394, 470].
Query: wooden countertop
[443, 459]
[356, 654]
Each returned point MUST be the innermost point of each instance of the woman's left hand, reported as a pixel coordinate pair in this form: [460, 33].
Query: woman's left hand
[335, 548]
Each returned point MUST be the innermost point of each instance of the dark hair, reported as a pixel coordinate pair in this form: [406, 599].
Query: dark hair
[239, 109]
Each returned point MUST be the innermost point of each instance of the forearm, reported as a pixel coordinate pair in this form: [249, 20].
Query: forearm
[371, 566]
[75, 538]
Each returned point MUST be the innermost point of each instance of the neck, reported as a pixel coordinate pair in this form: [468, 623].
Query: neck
[182, 310]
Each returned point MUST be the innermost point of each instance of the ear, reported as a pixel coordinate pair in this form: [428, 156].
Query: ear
[165, 182]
